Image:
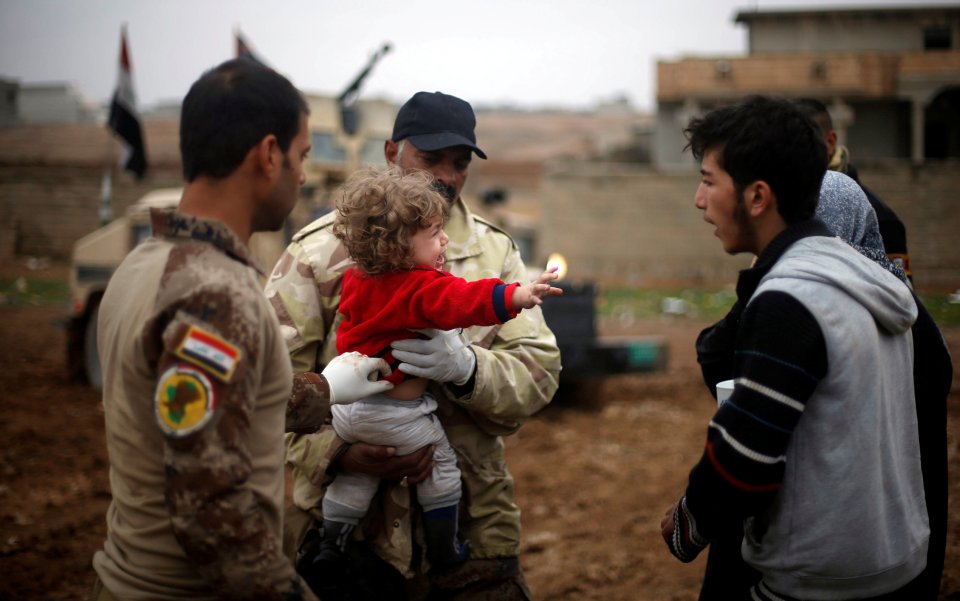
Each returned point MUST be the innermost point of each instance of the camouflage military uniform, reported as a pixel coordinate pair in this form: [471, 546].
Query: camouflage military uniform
[196, 381]
[518, 365]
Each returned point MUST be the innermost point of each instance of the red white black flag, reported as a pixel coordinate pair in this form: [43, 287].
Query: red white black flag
[124, 119]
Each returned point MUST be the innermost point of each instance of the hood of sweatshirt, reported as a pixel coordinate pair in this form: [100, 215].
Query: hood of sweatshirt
[833, 262]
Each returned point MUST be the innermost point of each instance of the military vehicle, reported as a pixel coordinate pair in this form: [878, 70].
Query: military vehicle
[588, 357]
[95, 257]
[99, 253]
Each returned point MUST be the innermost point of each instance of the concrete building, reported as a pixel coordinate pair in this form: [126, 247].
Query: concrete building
[56, 103]
[890, 76]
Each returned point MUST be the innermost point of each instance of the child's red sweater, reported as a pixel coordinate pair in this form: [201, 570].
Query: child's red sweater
[380, 309]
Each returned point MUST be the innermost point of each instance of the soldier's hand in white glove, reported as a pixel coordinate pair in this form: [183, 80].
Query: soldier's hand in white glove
[352, 376]
[444, 357]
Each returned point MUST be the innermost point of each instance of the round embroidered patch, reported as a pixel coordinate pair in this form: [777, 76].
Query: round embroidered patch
[184, 401]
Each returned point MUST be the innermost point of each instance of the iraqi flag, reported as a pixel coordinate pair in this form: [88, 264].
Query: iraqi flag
[124, 119]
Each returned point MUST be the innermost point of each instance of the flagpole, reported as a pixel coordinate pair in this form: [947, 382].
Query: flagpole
[105, 211]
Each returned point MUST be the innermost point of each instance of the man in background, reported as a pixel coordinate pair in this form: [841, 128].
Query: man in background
[892, 230]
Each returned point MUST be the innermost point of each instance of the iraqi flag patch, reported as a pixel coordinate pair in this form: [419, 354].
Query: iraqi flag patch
[210, 352]
[184, 401]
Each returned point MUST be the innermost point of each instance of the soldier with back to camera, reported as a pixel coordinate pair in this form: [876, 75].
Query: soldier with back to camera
[196, 375]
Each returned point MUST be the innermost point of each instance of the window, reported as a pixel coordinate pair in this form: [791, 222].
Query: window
[937, 37]
[372, 153]
[326, 149]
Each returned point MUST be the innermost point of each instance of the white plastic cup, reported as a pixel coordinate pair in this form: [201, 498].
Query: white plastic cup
[724, 390]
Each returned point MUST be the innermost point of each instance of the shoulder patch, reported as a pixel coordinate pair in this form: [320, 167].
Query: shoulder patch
[209, 351]
[184, 401]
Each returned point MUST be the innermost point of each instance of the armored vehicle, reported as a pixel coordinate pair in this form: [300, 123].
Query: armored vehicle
[99, 253]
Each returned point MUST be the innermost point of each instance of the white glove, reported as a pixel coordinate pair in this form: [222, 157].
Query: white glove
[352, 376]
[445, 357]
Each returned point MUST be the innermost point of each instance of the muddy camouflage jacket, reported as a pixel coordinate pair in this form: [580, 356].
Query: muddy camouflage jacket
[196, 382]
[518, 365]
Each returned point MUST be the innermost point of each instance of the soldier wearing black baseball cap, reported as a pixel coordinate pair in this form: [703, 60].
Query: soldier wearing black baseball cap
[435, 132]
[487, 381]
[436, 121]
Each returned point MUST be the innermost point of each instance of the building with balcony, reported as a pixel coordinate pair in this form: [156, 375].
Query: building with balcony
[889, 75]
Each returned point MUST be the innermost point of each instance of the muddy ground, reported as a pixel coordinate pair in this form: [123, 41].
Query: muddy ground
[593, 480]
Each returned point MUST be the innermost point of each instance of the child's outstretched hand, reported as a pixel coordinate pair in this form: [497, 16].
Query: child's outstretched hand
[532, 294]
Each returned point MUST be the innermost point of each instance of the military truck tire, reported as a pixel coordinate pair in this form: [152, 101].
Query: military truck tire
[91, 360]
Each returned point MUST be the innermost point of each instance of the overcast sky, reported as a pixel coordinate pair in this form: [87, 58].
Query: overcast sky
[526, 53]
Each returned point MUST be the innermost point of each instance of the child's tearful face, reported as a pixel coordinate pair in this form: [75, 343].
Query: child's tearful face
[429, 244]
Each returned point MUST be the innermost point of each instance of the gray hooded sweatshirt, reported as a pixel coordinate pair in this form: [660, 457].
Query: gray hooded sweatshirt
[850, 519]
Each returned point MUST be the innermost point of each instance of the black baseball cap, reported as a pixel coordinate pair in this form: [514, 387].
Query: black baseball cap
[436, 121]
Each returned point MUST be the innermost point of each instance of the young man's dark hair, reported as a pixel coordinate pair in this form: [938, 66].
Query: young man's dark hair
[231, 108]
[766, 139]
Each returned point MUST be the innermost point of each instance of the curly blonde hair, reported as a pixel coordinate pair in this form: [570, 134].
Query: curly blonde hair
[378, 210]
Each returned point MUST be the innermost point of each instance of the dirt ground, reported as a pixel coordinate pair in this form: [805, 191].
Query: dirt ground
[593, 480]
